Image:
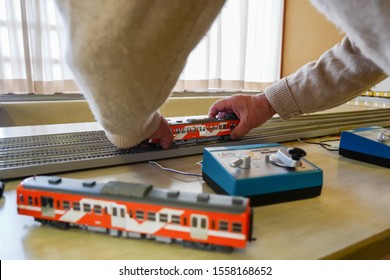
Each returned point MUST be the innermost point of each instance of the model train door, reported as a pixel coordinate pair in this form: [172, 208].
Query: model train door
[47, 204]
[199, 225]
[118, 216]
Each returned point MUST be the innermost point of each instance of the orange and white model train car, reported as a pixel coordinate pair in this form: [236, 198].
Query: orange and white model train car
[206, 221]
[189, 130]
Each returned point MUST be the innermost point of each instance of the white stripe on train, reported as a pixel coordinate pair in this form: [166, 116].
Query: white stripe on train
[132, 225]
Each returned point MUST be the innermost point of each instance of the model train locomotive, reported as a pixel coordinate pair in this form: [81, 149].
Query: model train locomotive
[205, 221]
[193, 130]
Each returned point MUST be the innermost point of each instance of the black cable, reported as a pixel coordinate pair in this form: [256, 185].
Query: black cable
[322, 144]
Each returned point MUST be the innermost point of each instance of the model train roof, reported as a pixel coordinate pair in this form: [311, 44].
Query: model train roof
[127, 191]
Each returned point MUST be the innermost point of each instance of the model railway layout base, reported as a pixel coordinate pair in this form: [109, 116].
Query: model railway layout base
[23, 156]
[259, 179]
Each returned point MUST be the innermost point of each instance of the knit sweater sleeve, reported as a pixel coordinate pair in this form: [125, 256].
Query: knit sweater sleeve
[126, 56]
[339, 75]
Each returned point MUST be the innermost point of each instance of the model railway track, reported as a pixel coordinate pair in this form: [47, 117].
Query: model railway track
[45, 154]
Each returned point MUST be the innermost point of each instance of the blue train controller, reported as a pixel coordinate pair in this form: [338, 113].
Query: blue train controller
[265, 173]
[369, 144]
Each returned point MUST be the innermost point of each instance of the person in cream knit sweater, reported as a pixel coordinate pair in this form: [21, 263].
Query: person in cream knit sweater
[127, 55]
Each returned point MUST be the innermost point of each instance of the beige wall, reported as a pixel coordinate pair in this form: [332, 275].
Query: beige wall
[307, 34]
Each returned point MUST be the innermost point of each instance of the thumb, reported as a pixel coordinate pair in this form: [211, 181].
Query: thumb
[240, 130]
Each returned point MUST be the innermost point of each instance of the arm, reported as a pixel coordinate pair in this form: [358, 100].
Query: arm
[339, 75]
[126, 57]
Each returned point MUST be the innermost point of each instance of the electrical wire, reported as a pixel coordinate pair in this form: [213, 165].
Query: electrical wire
[322, 144]
[175, 171]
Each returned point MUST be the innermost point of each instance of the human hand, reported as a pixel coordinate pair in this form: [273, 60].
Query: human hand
[252, 110]
[163, 133]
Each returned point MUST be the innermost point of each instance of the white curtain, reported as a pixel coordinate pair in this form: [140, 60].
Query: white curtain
[241, 50]
[32, 48]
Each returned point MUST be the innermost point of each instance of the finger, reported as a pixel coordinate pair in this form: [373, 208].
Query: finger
[222, 105]
[166, 138]
[166, 141]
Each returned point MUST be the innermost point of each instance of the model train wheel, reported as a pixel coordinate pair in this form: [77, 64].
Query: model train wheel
[56, 224]
[60, 225]
[224, 249]
[207, 247]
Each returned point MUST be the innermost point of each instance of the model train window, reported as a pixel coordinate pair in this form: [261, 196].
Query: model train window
[97, 209]
[237, 227]
[139, 214]
[21, 198]
[87, 207]
[163, 218]
[223, 225]
[47, 201]
[114, 211]
[122, 212]
[66, 205]
[175, 219]
[76, 206]
[30, 200]
[203, 223]
[151, 216]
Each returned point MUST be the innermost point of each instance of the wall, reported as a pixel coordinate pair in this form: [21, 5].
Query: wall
[307, 34]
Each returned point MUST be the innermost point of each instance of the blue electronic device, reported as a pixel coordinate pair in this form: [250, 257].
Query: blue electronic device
[368, 144]
[265, 173]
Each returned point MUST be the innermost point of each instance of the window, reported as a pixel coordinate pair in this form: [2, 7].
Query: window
[175, 219]
[76, 206]
[163, 218]
[97, 209]
[32, 48]
[223, 225]
[151, 216]
[139, 214]
[203, 223]
[237, 227]
[242, 49]
[87, 207]
[66, 205]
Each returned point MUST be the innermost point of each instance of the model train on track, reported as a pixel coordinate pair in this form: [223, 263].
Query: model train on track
[205, 221]
[193, 130]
